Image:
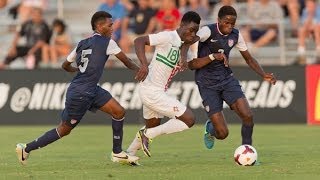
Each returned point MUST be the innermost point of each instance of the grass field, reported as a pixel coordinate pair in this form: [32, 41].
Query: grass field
[285, 152]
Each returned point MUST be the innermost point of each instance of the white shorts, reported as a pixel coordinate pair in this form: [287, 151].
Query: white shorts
[157, 104]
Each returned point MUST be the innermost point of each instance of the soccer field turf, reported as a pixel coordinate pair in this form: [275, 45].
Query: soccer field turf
[285, 152]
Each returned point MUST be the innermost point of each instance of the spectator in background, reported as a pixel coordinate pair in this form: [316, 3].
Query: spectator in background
[216, 8]
[118, 12]
[143, 22]
[26, 6]
[310, 28]
[60, 45]
[127, 4]
[291, 8]
[262, 32]
[37, 34]
[168, 16]
[199, 6]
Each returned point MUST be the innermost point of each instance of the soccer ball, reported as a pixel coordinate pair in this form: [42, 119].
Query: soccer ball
[245, 155]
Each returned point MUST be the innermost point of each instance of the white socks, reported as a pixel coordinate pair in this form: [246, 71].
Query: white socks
[135, 145]
[171, 126]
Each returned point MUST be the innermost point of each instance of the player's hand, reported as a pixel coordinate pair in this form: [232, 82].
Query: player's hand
[142, 73]
[183, 65]
[270, 77]
[221, 57]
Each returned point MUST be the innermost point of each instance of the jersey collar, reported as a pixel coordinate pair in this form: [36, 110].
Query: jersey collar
[220, 31]
[178, 37]
[95, 33]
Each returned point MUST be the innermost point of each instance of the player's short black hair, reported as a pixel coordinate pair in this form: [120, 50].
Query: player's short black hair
[98, 16]
[227, 10]
[191, 16]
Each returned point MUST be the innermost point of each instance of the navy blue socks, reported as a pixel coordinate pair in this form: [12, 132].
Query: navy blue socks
[117, 129]
[246, 133]
[44, 140]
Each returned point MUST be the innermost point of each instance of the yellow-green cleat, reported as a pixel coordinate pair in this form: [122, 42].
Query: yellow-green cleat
[22, 155]
[145, 142]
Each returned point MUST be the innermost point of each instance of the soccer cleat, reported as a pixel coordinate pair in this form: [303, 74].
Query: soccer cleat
[124, 158]
[145, 141]
[136, 163]
[208, 137]
[22, 155]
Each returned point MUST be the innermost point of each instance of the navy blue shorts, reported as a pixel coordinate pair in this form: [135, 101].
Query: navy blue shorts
[77, 104]
[213, 97]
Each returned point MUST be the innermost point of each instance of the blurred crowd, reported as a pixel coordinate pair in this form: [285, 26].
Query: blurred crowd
[46, 43]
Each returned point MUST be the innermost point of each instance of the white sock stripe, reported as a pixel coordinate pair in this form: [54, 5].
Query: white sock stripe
[58, 133]
[118, 119]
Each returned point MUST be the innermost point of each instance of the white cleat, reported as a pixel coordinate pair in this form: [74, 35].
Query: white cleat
[22, 155]
[124, 158]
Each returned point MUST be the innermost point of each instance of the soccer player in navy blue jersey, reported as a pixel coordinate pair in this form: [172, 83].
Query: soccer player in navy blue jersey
[84, 94]
[215, 79]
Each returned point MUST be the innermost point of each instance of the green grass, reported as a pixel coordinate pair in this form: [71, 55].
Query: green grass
[285, 152]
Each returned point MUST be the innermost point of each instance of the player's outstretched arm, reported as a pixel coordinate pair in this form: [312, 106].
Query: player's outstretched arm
[198, 63]
[254, 65]
[127, 61]
[139, 44]
[185, 49]
[140, 76]
[66, 65]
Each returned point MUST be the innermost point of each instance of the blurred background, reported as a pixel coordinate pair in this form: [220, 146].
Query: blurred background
[278, 32]
[37, 35]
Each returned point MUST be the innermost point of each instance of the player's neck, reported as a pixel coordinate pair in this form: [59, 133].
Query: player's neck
[220, 31]
[179, 33]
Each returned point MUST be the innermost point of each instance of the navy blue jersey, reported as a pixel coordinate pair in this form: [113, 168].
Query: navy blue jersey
[216, 73]
[91, 57]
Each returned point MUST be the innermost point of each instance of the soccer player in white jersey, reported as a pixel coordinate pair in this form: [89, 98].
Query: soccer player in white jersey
[170, 57]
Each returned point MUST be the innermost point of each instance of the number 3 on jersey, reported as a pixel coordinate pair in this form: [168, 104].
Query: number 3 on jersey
[84, 60]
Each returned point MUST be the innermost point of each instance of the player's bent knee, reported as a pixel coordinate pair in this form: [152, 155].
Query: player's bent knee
[64, 132]
[119, 113]
[222, 134]
[154, 122]
[188, 118]
[189, 123]
[248, 118]
[64, 129]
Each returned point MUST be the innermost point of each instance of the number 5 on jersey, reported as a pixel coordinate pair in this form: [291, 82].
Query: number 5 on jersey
[84, 60]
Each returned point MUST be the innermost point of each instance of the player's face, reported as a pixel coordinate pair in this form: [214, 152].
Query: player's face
[189, 32]
[227, 23]
[106, 27]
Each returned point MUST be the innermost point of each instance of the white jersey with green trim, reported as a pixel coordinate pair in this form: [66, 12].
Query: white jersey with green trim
[163, 65]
